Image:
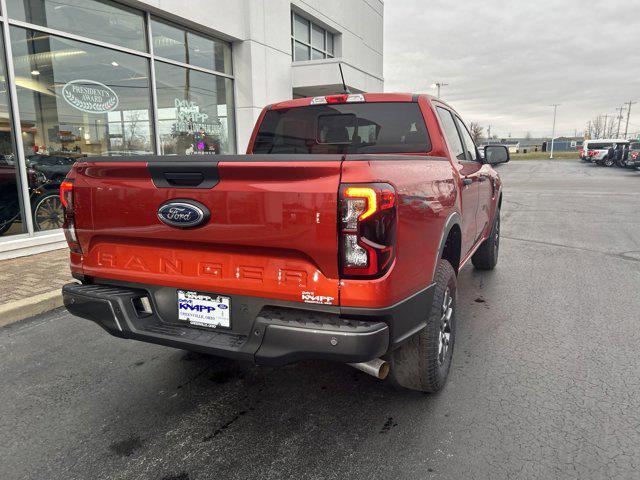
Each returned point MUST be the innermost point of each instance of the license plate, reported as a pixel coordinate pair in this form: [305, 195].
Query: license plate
[203, 310]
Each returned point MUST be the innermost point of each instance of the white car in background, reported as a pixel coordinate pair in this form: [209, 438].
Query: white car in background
[597, 151]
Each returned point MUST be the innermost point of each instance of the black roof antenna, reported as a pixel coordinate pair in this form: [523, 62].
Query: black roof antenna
[344, 85]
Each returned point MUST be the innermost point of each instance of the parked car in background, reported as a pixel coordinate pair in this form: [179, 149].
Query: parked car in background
[620, 154]
[338, 237]
[604, 151]
[595, 150]
[55, 167]
[633, 159]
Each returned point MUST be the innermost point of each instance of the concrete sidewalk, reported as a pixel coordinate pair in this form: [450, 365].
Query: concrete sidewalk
[31, 285]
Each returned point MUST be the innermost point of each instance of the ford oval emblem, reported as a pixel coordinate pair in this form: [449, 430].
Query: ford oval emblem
[183, 213]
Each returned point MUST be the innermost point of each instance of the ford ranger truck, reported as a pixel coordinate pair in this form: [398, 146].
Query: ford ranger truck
[338, 236]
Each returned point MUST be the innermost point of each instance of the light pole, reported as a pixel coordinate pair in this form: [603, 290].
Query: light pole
[439, 85]
[553, 131]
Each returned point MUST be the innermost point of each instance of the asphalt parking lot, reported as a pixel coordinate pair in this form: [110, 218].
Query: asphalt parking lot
[545, 380]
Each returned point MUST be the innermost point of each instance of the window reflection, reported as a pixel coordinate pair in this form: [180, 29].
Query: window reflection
[103, 20]
[195, 111]
[10, 200]
[76, 100]
[184, 46]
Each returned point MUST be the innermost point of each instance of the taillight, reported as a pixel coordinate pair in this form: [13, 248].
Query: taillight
[66, 194]
[367, 229]
[69, 226]
[591, 153]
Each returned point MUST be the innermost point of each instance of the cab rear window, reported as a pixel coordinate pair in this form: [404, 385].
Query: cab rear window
[363, 128]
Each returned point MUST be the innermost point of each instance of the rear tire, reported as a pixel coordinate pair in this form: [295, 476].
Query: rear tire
[423, 362]
[608, 162]
[486, 257]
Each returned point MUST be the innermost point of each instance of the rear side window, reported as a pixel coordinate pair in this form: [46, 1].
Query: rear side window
[345, 128]
[468, 141]
[451, 132]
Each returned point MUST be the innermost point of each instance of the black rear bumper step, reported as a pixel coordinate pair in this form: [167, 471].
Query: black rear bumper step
[276, 335]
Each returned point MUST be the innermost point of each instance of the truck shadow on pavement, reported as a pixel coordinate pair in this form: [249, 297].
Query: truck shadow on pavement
[248, 414]
[199, 404]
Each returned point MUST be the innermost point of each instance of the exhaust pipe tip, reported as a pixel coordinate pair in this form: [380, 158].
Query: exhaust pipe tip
[384, 370]
[376, 368]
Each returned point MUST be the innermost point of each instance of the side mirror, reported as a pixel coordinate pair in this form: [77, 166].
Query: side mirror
[496, 154]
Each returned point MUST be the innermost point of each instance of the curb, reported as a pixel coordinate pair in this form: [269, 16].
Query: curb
[28, 307]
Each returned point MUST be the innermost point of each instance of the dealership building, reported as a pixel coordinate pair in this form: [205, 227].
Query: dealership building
[81, 78]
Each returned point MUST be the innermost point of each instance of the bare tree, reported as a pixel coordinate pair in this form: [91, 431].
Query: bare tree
[132, 140]
[611, 128]
[597, 127]
[476, 132]
[528, 136]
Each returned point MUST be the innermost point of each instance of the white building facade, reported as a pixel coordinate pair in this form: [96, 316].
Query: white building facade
[82, 78]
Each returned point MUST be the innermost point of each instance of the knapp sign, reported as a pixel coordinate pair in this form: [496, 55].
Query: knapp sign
[189, 118]
[89, 96]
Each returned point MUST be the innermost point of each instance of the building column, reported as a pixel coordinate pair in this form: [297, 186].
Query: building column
[261, 63]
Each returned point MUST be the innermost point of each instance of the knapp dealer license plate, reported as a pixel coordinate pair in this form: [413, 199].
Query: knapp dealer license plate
[204, 310]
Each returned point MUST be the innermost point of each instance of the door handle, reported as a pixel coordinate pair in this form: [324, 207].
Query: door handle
[466, 181]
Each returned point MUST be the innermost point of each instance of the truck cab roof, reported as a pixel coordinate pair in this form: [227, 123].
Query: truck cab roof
[368, 97]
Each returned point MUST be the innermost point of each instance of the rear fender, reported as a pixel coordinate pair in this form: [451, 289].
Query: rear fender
[454, 220]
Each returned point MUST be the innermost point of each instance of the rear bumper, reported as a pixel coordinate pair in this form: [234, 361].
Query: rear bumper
[263, 331]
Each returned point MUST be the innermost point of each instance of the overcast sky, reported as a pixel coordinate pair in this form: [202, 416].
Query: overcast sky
[507, 61]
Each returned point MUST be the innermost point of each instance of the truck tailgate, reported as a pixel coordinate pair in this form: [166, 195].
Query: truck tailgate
[272, 231]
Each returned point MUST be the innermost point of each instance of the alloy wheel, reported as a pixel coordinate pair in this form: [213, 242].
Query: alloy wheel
[444, 339]
[496, 237]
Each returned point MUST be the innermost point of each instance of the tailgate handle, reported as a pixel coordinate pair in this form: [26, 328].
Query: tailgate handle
[184, 174]
[184, 179]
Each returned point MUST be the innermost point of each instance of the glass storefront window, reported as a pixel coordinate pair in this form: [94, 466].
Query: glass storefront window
[184, 46]
[195, 111]
[76, 100]
[101, 20]
[10, 199]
